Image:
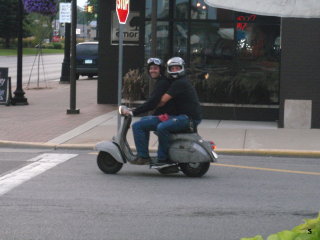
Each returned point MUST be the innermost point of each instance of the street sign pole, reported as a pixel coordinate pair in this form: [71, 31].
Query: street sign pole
[123, 8]
[120, 69]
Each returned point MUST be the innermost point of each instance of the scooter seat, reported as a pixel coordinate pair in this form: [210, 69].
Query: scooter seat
[186, 131]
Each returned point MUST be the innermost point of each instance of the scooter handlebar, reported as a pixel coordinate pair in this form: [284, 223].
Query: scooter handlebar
[125, 111]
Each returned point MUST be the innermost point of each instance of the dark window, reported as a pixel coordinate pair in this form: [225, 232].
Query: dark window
[232, 57]
[200, 10]
[162, 9]
[180, 39]
[87, 50]
[163, 48]
[181, 9]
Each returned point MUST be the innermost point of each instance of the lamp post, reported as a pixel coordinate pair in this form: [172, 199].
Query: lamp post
[73, 109]
[19, 98]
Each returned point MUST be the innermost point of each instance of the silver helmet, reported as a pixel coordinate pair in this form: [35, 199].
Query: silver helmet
[176, 61]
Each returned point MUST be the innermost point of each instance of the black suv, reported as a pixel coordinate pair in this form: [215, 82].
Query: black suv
[87, 59]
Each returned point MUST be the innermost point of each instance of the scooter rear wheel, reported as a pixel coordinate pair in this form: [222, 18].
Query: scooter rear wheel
[194, 169]
[107, 163]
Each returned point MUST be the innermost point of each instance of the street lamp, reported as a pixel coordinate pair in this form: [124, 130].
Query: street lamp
[19, 98]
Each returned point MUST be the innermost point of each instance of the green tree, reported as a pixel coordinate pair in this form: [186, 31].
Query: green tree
[92, 15]
[8, 20]
[39, 26]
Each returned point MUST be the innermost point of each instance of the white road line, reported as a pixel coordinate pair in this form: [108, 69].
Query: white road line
[40, 164]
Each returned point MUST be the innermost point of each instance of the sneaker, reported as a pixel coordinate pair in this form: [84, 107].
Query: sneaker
[140, 161]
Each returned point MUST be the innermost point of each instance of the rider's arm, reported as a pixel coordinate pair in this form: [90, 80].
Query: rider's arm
[159, 89]
[164, 99]
[176, 88]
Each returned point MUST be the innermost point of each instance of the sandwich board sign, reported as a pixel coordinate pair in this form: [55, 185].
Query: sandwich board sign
[5, 87]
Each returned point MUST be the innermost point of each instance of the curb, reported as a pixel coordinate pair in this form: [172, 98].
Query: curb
[14, 144]
[254, 152]
[271, 152]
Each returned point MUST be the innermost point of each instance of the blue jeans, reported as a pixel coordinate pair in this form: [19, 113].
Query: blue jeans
[141, 133]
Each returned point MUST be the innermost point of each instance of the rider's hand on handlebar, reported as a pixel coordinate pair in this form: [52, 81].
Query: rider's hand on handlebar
[127, 112]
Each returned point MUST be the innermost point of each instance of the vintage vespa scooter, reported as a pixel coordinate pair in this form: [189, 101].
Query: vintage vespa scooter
[188, 152]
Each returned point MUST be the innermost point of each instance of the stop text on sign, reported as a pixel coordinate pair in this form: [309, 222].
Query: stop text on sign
[122, 4]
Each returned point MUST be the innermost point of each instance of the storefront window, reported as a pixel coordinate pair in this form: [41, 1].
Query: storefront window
[162, 40]
[180, 37]
[181, 9]
[162, 9]
[200, 10]
[210, 45]
[258, 53]
[231, 57]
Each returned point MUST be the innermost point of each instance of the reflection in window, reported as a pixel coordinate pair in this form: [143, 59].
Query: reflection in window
[180, 36]
[162, 40]
[210, 45]
[242, 73]
[233, 57]
[200, 10]
[162, 9]
[258, 52]
[181, 9]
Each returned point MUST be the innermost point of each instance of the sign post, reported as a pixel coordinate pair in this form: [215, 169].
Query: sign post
[122, 8]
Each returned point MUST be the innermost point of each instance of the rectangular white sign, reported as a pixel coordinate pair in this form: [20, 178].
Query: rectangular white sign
[130, 31]
[65, 13]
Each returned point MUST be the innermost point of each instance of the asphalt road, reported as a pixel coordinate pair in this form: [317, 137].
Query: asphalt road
[71, 199]
[49, 66]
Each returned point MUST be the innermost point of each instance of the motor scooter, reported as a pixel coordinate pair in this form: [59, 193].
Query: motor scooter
[188, 152]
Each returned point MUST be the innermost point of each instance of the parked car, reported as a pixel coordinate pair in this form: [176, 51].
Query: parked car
[87, 59]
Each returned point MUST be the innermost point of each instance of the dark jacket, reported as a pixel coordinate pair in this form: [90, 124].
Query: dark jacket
[161, 86]
[185, 98]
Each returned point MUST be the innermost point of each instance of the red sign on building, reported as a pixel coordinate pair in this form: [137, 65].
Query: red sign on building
[122, 7]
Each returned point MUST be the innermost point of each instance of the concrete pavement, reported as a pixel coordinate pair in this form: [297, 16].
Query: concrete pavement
[44, 124]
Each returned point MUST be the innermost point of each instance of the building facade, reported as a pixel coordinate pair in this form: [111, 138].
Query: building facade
[241, 64]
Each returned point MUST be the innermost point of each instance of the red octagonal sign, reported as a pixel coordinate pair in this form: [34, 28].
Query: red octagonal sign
[122, 10]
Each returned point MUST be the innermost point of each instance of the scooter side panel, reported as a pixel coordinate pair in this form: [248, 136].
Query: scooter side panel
[190, 147]
[182, 151]
[110, 148]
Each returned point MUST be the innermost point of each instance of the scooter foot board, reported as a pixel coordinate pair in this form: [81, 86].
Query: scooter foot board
[162, 166]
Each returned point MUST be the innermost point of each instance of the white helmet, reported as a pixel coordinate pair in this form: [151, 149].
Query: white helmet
[176, 61]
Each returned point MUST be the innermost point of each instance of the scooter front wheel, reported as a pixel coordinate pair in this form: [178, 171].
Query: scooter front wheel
[194, 169]
[107, 163]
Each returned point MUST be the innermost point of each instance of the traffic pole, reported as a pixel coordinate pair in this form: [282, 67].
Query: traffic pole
[120, 69]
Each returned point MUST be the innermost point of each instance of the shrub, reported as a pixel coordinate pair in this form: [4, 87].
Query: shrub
[309, 230]
[135, 85]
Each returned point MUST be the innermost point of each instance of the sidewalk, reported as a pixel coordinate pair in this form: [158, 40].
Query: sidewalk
[44, 123]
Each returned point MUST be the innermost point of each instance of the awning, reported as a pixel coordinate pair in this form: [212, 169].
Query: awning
[280, 8]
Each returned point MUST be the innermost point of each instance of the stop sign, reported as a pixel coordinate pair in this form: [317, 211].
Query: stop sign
[122, 7]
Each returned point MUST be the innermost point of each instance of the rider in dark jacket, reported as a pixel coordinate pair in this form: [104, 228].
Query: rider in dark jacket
[141, 129]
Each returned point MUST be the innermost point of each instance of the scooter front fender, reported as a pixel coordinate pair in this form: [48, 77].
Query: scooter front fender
[111, 148]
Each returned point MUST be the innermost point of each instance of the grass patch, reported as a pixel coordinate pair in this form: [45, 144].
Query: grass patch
[29, 51]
